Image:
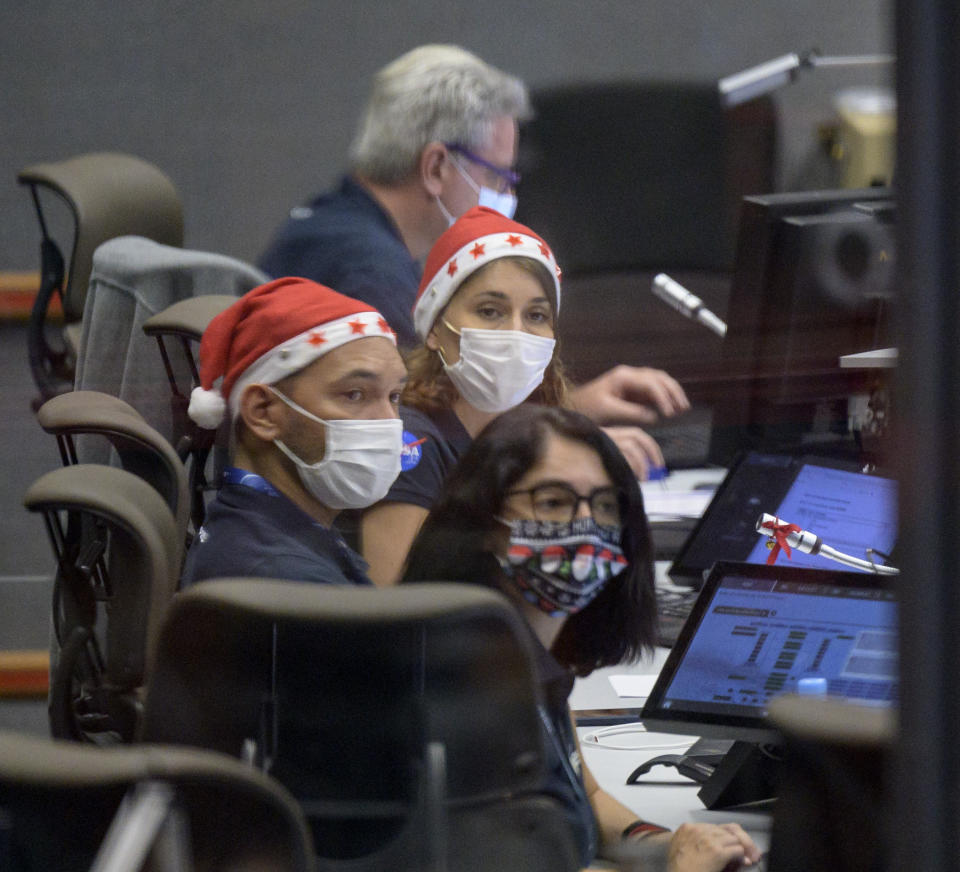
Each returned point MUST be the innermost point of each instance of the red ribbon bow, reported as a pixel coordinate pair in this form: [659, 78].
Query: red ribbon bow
[780, 532]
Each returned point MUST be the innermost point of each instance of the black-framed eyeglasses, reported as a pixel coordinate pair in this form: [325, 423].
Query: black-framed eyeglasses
[509, 176]
[553, 501]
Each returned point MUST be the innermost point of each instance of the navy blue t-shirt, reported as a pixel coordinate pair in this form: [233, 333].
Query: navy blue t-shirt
[433, 443]
[249, 532]
[345, 240]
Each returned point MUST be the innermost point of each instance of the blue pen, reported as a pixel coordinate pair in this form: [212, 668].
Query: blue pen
[657, 473]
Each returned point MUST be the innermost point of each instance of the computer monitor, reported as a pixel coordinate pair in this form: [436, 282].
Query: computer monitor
[812, 281]
[757, 631]
[850, 508]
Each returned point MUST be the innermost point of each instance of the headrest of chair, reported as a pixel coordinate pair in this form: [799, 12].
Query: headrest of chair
[142, 449]
[833, 721]
[188, 317]
[145, 552]
[290, 600]
[250, 805]
[110, 194]
[362, 672]
[132, 258]
[40, 761]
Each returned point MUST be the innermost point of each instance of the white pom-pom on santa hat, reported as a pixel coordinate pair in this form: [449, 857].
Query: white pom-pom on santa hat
[207, 408]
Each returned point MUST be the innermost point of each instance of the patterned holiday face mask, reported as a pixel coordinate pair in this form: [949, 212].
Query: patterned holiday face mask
[561, 566]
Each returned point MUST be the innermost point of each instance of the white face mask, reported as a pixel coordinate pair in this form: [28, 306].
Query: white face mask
[505, 203]
[361, 460]
[498, 369]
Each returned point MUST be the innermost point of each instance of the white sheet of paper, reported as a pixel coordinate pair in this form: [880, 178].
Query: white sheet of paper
[675, 504]
[633, 686]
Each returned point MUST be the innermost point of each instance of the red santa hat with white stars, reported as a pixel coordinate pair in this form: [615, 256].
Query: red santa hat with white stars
[270, 333]
[476, 238]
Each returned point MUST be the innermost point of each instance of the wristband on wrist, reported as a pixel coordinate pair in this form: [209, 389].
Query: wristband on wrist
[641, 829]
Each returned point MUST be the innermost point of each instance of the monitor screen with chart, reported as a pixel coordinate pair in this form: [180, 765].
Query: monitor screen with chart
[757, 631]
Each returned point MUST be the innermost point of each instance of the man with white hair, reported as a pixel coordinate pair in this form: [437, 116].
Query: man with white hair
[439, 130]
[438, 137]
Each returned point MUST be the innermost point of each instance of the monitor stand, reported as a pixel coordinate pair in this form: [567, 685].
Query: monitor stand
[746, 776]
[733, 774]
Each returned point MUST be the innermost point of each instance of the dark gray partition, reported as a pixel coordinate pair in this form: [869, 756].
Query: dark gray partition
[250, 106]
[924, 819]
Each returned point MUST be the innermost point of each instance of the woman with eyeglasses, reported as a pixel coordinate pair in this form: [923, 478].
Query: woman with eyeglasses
[486, 315]
[544, 508]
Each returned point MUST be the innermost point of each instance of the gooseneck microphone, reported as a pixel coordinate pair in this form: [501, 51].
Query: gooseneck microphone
[687, 303]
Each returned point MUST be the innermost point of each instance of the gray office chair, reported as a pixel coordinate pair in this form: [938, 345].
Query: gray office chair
[140, 449]
[118, 552]
[134, 279]
[403, 720]
[182, 326]
[71, 808]
[829, 803]
[107, 194]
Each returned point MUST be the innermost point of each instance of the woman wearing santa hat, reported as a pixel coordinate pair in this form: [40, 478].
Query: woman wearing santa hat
[486, 314]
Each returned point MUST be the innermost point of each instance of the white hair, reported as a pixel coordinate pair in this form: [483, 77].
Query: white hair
[434, 93]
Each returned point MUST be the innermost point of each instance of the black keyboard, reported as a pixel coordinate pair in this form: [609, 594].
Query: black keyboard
[685, 442]
[673, 608]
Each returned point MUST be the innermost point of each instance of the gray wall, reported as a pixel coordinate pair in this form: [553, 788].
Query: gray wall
[250, 106]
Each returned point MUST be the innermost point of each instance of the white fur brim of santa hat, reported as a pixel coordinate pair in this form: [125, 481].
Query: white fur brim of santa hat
[271, 333]
[474, 240]
[304, 349]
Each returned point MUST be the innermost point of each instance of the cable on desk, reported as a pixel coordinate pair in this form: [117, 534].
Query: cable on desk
[595, 738]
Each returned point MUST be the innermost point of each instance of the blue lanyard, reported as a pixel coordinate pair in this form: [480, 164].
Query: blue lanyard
[575, 779]
[235, 475]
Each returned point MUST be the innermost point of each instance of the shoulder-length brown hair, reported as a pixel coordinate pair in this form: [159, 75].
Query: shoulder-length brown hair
[429, 388]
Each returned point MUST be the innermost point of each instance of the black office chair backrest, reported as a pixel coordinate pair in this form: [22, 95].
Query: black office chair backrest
[178, 330]
[620, 175]
[626, 179]
[59, 802]
[118, 552]
[108, 194]
[385, 712]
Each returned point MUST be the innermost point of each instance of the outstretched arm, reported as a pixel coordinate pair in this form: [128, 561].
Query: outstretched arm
[387, 531]
[630, 395]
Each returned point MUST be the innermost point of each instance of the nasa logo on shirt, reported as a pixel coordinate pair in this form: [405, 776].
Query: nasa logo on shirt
[412, 450]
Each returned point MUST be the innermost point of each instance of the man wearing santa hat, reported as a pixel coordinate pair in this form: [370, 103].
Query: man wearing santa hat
[311, 381]
[438, 137]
